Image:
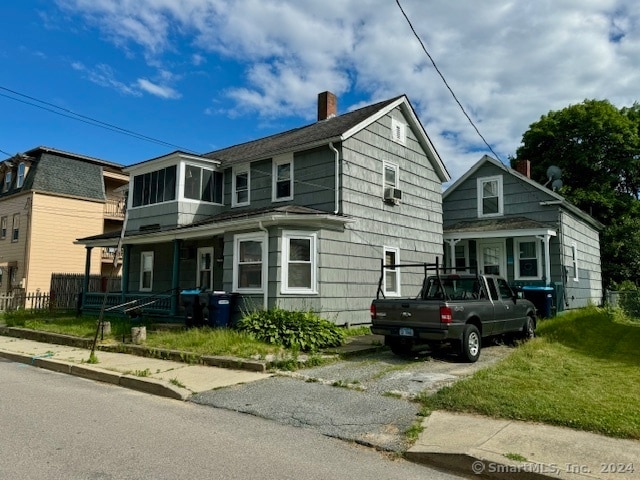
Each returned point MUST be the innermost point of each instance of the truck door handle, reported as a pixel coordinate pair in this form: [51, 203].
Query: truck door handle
[405, 314]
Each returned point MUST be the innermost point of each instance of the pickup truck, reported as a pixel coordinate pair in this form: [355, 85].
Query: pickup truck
[459, 309]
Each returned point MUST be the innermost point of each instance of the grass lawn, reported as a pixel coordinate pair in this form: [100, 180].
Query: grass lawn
[582, 371]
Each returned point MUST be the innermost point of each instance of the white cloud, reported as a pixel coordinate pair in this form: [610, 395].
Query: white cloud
[507, 62]
[161, 91]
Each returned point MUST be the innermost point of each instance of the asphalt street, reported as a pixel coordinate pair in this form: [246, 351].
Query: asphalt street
[367, 399]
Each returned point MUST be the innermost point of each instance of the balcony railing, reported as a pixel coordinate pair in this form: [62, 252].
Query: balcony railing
[110, 253]
[114, 208]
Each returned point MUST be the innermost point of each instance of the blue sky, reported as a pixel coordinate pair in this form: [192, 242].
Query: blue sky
[205, 74]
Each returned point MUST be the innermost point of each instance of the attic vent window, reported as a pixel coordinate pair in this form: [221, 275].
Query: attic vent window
[398, 131]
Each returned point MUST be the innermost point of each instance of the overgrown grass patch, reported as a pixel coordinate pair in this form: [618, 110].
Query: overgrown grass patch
[581, 372]
[208, 341]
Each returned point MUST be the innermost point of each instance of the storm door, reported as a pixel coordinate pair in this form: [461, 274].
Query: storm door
[492, 258]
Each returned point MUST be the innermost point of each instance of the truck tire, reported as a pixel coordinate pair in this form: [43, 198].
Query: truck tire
[528, 329]
[470, 344]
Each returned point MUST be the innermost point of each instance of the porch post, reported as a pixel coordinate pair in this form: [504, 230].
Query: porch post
[87, 273]
[126, 259]
[175, 277]
[452, 252]
[547, 260]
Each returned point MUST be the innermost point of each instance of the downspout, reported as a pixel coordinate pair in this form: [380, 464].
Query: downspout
[265, 295]
[337, 172]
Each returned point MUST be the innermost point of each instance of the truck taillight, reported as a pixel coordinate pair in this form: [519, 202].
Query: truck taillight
[372, 310]
[445, 315]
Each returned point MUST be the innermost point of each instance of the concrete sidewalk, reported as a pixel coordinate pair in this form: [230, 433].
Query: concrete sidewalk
[167, 378]
[468, 444]
[475, 444]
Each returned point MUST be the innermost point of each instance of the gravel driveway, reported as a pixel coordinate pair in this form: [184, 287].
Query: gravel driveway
[375, 406]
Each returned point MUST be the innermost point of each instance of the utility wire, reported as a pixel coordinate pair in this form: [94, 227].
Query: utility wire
[64, 112]
[445, 81]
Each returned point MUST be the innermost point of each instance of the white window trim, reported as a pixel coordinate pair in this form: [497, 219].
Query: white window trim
[287, 158]
[516, 247]
[7, 180]
[142, 257]
[574, 261]
[286, 237]
[398, 131]
[15, 228]
[200, 251]
[260, 237]
[480, 182]
[396, 168]
[236, 171]
[384, 273]
[20, 176]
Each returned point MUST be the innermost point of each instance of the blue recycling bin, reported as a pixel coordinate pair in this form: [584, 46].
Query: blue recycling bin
[541, 297]
[221, 305]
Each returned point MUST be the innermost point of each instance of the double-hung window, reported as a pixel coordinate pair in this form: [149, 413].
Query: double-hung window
[528, 260]
[282, 178]
[7, 181]
[241, 185]
[15, 235]
[249, 262]
[20, 177]
[146, 271]
[490, 201]
[299, 264]
[391, 274]
[3, 228]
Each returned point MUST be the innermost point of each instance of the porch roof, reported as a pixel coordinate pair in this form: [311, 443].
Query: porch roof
[498, 227]
[291, 215]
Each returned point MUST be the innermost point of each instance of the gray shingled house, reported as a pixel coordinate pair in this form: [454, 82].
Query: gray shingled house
[300, 220]
[498, 220]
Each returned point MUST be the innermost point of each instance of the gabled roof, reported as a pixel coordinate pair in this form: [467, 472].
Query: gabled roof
[554, 197]
[335, 129]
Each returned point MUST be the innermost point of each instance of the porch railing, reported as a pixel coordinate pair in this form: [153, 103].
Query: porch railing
[116, 304]
[114, 208]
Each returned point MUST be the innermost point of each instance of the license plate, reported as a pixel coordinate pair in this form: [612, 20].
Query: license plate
[406, 332]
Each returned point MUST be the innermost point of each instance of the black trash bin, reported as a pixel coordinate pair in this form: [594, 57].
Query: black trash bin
[221, 305]
[541, 297]
[193, 303]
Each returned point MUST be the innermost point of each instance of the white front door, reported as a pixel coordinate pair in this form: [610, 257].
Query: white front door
[492, 260]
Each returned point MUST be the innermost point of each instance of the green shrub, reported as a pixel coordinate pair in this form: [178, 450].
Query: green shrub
[18, 318]
[304, 331]
[629, 299]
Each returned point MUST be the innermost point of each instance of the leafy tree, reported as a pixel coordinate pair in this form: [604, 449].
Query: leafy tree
[597, 148]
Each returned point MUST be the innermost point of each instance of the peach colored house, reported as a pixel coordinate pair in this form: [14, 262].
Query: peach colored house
[48, 199]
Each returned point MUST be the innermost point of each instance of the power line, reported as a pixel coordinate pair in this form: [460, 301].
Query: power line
[445, 81]
[64, 112]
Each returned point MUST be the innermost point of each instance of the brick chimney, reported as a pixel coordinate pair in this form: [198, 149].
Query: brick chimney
[327, 105]
[524, 167]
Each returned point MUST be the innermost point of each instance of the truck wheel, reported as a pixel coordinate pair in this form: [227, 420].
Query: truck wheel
[528, 329]
[471, 343]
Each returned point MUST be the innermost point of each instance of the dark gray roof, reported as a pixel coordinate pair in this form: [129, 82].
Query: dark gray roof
[297, 138]
[497, 224]
[65, 176]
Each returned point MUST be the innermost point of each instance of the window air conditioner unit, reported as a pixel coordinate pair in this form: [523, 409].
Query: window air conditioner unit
[392, 195]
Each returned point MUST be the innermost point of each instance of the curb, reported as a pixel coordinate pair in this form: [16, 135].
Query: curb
[146, 385]
[139, 350]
